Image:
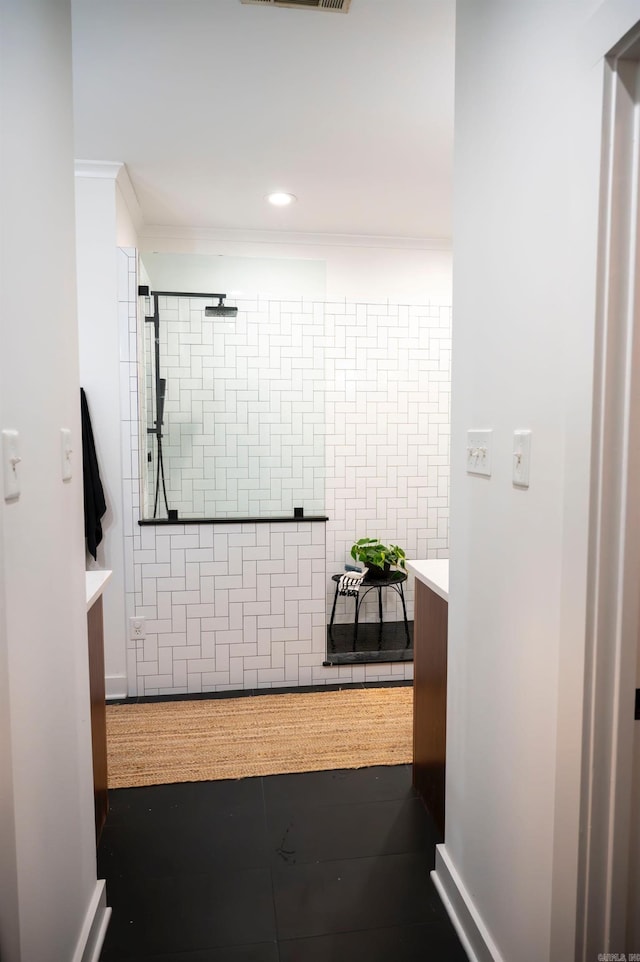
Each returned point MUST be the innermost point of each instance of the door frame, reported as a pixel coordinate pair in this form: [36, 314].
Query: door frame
[613, 612]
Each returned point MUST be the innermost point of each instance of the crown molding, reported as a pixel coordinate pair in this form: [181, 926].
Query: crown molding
[116, 171]
[108, 169]
[130, 198]
[150, 233]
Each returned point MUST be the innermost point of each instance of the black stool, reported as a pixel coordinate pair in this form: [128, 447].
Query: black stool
[394, 579]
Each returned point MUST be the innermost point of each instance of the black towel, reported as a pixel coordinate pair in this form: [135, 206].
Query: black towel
[94, 503]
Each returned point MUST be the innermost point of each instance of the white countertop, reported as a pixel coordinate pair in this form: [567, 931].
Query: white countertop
[434, 574]
[96, 580]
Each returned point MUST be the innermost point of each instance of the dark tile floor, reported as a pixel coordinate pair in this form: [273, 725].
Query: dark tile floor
[321, 867]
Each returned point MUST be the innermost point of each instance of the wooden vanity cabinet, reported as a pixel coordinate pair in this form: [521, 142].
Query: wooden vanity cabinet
[430, 699]
[98, 713]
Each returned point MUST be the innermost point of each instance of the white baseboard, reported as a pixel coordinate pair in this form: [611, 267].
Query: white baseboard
[462, 911]
[115, 686]
[94, 927]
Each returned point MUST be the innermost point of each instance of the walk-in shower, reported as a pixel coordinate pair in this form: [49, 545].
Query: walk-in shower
[233, 408]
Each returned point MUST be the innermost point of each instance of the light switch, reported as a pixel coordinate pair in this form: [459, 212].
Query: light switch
[10, 461]
[65, 452]
[521, 458]
[479, 445]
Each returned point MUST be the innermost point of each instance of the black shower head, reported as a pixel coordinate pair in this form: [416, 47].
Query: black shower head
[220, 309]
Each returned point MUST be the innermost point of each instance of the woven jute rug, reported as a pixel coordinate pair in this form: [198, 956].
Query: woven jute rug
[156, 743]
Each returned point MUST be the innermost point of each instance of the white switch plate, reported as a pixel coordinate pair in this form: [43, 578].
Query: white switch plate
[65, 453]
[10, 461]
[479, 444]
[521, 458]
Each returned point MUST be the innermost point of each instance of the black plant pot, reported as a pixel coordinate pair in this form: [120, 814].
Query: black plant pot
[375, 572]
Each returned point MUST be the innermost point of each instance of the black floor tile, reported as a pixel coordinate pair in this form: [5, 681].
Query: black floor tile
[244, 693]
[320, 833]
[153, 916]
[184, 830]
[251, 692]
[410, 943]
[338, 787]
[154, 801]
[318, 866]
[312, 689]
[195, 696]
[259, 952]
[340, 896]
[402, 683]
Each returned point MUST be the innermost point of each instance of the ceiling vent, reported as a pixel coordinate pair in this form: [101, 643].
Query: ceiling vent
[337, 6]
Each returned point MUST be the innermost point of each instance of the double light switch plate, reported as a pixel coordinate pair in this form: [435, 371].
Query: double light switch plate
[479, 452]
[479, 455]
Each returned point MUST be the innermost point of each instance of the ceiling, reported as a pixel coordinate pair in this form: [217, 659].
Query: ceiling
[213, 103]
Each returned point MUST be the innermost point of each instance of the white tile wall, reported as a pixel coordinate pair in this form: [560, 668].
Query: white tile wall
[244, 414]
[388, 373]
[231, 606]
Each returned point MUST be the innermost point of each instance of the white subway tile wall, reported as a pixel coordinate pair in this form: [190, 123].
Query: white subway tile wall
[244, 414]
[236, 606]
[388, 371]
[229, 607]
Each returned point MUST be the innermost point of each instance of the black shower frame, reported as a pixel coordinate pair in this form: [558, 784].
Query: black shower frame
[286, 519]
[160, 388]
[297, 517]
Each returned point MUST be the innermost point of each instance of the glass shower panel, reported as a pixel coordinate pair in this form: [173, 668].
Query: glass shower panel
[243, 423]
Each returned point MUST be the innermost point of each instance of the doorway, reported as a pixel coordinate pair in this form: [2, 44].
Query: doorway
[609, 896]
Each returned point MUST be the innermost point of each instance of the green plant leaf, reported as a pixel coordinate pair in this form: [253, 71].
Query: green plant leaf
[371, 551]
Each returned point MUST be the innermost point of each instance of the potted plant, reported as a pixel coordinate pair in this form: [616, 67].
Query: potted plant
[377, 557]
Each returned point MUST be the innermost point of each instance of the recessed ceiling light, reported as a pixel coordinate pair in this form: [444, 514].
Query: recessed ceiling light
[281, 199]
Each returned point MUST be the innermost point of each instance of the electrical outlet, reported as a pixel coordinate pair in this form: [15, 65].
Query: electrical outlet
[137, 628]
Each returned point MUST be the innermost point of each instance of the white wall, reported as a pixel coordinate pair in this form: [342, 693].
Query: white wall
[128, 214]
[528, 119]
[633, 908]
[9, 927]
[102, 216]
[48, 866]
[280, 278]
